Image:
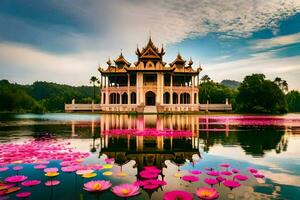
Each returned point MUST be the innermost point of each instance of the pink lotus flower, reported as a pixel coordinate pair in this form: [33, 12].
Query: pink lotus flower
[220, 179]
[96, 186]
[64, 163]
[240, 177]
[226, 173]
[51, 169]
[147, 174]
[17, 168]
[226, 165]
[213, 173]
[190, 178]
[97, 167]
[257, 175]
[43, 162]
[30, 183]
[2, 169]
[207, 193]
[109, 160]
[69, 169]
[40, 166]
[16, 179]
[195, 171]
[234, 170]
[252, 170]
[84, 171]
[231, 184]
[150, 167]
[150, 183]
[125, 190]
[23, 194]
[178, 195]
[52, 183]
[211, 181]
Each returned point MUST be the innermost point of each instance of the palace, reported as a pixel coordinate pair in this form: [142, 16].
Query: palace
[150, 85]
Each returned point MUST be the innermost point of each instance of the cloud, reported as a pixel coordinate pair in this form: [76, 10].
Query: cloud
[282, 178]
[279, 41]
[287, 67]
[25, 64]
[123, 23]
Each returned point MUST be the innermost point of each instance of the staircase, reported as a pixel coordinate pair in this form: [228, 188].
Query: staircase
[150, 109]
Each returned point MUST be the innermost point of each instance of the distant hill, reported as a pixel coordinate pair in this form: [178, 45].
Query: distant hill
[231, 83]
[42, 96]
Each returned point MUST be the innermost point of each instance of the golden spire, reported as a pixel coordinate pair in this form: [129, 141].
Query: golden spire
[108, 61]
[190, 62]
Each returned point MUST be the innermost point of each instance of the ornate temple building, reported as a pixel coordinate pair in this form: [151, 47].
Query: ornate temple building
[149, 85]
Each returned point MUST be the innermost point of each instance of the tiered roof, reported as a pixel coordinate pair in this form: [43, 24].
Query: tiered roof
[150, 53]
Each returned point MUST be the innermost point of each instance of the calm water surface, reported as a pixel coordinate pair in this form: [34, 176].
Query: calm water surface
[174, 144]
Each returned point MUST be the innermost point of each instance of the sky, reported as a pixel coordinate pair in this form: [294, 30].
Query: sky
[65, 41]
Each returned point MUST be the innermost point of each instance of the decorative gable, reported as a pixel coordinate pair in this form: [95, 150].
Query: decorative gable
[150, 53]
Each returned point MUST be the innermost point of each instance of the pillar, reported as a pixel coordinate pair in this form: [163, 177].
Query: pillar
[139, 88]
[128, 90]
[106, 91]
[171, 89]
[159, 86]
[193, 88]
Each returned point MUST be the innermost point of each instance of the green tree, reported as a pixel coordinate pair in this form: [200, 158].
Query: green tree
[293, 101]
[42, 96]
[214, 92]
[94, 80]
[283, 85]
[258, 95]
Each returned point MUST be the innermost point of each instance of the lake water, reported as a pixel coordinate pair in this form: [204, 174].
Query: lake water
[178, 145]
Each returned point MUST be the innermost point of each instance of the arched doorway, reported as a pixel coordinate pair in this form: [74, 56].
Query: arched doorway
[185, 98]
[133, 98]
[175, 98]
[166, 98]
[150, 98]
[124, 98]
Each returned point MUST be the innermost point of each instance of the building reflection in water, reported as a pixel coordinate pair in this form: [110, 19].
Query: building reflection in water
[152, 139]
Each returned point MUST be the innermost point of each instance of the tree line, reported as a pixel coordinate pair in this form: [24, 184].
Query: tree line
[43, 96]
[255, 94]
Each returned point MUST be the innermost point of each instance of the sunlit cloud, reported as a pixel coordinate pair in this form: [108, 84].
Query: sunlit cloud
[276, 41]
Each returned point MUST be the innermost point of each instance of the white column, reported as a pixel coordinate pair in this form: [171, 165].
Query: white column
[106, 91]
[139, 88]
[193, 87]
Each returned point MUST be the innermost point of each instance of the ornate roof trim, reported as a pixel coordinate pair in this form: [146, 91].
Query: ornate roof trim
[122, 60]
[178, 60]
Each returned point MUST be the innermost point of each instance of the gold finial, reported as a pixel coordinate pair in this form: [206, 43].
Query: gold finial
[191, 62]
[108, 61]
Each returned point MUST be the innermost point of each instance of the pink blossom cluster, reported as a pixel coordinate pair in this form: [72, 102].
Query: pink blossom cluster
[149, 132]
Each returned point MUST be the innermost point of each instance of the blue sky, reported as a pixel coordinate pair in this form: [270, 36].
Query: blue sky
[65, 41]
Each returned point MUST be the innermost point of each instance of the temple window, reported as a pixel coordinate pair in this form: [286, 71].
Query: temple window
[132, 79]
[124, 98]
[150, 79]
[133, 98]
[166, 98]
[167, 79]
[185, 98]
